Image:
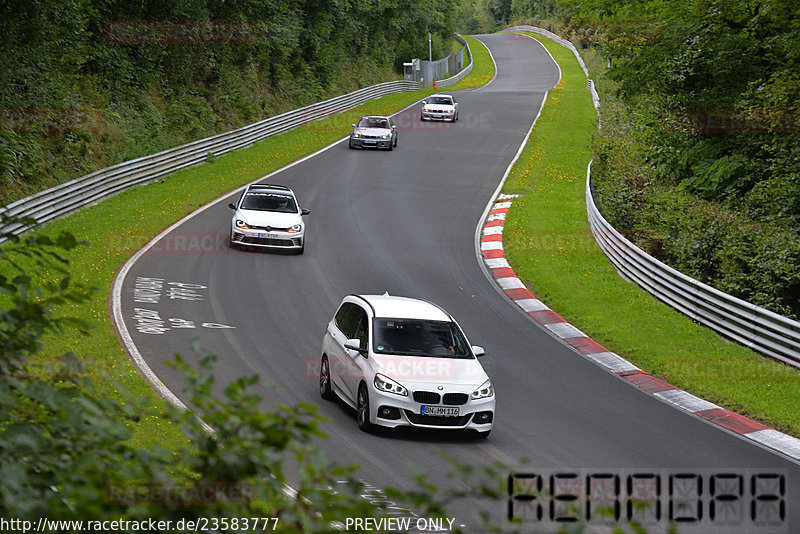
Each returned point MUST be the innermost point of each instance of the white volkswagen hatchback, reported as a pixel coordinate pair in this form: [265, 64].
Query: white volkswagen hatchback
[404, 362]
[267, 216]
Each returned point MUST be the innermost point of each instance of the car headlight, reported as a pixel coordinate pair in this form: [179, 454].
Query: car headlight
[385, 136]
[294, 229]
[241, 224]
[384, 383]
[486, 390]
[355, 135]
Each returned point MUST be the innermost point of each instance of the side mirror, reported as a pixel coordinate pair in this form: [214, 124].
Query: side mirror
[353, 125]
[305, 212]
[232, 206]
[355, 345]
[478, 351]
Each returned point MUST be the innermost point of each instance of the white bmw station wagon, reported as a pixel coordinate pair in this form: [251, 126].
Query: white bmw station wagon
[404, 362]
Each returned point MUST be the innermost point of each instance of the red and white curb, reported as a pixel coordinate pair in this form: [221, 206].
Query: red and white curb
[491, 248]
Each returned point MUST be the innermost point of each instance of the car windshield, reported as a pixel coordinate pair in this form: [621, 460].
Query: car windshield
[373, 122]
[417, 337]
[263, 201]
[440, 100]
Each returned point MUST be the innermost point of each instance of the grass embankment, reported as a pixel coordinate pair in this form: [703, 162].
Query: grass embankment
[549, 244]
[117, 227]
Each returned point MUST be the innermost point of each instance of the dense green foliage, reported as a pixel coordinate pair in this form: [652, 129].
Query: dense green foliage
[67, 454]
[548, 242]
[133, 438]
[90, 83]
[699, 157]
[488, 16]
[65, 449]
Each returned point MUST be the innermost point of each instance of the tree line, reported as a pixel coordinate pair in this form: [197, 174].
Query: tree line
[698, 160]
[91, 83]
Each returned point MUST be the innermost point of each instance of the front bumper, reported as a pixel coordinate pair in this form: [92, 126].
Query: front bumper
[362, 142]
[263, 239]
[391, 411]
[437, 116]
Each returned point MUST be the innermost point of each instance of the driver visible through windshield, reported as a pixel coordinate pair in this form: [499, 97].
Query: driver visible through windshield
[256, 200]
[371, 122]
[415, 337]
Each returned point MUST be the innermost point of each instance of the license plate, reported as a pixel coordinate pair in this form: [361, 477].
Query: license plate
[267, 236]
[369, 141]
[446, 411]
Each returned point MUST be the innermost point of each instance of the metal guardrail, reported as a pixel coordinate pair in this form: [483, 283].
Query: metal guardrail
[755, 327]
[764, 331]
[430, 72]
[439, 84]
[76, 194]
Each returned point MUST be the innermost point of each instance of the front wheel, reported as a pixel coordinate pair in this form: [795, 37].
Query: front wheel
[362, 409]
[325, 390]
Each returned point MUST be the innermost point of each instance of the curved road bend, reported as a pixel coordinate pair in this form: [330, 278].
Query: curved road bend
[404, 222]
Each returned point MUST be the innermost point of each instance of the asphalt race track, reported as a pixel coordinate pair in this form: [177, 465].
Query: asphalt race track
[405, 222]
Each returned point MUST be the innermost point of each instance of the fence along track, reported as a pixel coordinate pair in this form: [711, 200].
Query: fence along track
[76, 194]
[755, 327]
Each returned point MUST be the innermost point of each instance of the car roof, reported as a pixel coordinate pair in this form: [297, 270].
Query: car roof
[375, 117]
[270, 188]
[443, 94]
[404, 307]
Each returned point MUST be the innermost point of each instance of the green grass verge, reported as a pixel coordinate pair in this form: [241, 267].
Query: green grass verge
[548, 242]
[117, 227]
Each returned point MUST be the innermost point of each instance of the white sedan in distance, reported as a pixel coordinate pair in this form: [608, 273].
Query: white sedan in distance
[440, 108]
